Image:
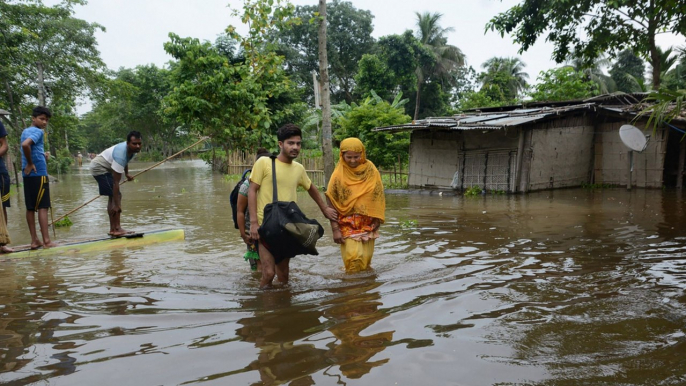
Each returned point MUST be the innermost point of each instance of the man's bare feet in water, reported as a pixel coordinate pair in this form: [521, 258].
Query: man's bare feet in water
[120, 232]
[36, 245]
[51, 244]
[5, 249]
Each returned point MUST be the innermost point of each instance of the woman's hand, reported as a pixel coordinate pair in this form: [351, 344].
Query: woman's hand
[376, 223]
[330, 213]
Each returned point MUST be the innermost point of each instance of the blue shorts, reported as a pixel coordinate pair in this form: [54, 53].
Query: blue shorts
[106, 184]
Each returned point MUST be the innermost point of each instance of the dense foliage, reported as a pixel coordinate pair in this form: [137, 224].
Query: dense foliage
[589, 29]
[239, 89]
[562, 84]
[383, 148]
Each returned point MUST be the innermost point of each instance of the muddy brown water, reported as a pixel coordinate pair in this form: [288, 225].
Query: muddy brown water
[571, 287]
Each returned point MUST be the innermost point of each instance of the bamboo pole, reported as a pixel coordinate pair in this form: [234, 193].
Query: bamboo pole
[203, 139]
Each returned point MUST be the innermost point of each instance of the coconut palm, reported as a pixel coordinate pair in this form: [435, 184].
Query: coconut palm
[513, 69]
[447, 57]
[667, 60]
[594, 72]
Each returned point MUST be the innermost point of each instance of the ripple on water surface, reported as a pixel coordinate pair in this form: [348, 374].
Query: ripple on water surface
[554, 288]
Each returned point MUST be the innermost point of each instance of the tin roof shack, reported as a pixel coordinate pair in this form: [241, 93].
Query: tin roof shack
[544, 146]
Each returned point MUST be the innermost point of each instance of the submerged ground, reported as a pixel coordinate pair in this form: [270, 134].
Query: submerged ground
[569, 287]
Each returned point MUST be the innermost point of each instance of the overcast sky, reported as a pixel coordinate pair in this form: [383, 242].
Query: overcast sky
[137, 29]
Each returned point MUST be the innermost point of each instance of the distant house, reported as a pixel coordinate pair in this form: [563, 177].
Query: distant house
[541, 146]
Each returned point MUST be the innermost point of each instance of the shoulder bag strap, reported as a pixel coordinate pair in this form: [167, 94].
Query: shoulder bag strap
[275, 194]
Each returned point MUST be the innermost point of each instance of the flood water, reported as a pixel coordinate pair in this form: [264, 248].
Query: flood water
[569, 287]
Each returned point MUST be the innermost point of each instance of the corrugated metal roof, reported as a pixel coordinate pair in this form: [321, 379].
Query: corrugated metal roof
[492, 121]
[479, 118]
[621, 98]
[526, 111]
[410, 127]
[516, 121]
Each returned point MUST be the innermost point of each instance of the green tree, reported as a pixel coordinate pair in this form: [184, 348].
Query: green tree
[49, 57]
[403, 55]
[447, 58]
[133, 101]
[560, 84]
[666, 60]
[626, 66]
[675, 78]
[215, 98]
[476, 99]
[55, 51]
[230, 102]
[505, 77]
[349, 37]
[374, 74]
[382, 148]
[593, 71]
[591, 28]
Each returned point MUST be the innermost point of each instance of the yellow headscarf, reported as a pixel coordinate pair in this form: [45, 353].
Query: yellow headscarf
[356, 190]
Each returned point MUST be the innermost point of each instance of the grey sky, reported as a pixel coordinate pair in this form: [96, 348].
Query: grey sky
[137, 29]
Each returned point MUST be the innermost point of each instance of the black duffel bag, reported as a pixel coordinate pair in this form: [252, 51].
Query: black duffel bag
[285, 230]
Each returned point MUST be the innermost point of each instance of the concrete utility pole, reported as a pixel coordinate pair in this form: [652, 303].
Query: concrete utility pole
[41, 84]
[326, 100]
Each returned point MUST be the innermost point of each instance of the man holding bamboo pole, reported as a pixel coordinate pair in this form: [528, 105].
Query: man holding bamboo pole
[107, 168]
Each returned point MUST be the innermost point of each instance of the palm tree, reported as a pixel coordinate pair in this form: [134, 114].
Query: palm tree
[447, 57]
[513, 68]
[666, 61]
[594, 72]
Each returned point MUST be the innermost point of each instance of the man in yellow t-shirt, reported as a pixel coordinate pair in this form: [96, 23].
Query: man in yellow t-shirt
[289, 175]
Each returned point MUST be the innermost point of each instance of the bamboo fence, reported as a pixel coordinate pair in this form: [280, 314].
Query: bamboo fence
[240, 161]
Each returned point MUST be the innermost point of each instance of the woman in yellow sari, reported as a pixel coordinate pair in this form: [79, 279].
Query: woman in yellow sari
[356, 192]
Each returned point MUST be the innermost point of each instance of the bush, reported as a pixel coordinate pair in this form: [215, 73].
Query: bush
[61, 162]
[150, 156]
[383, 148]
[473, 191]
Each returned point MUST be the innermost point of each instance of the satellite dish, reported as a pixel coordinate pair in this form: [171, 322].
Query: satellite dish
[633, 138]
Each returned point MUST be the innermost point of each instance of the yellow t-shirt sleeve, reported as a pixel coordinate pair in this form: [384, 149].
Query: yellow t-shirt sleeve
[304, 181]
[259, 170]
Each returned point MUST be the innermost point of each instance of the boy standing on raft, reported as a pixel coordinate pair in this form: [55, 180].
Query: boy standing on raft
[289, 175]
[34, 164]
[107, 168]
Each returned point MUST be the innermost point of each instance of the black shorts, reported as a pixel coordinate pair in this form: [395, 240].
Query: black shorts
[5, 189]
[106, 184]
[37, 193]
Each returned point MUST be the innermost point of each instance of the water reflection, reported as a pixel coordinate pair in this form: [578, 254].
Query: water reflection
[552, 288]
[31, 315]
[351, 312]
[277, 331]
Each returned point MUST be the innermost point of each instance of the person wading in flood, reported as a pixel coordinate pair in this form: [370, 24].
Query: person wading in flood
[107, 168]
[243, 219]
[289, 175]
[356, 192]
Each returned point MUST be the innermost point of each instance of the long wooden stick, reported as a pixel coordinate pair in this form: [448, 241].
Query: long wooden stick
[203, 139]
[52, 215]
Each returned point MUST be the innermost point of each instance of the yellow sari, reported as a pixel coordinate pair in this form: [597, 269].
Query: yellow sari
[358, 196]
